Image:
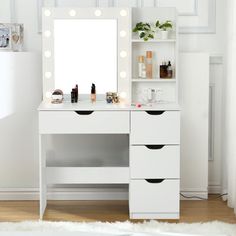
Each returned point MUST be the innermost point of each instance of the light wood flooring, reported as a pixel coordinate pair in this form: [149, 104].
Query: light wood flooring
[191, 211]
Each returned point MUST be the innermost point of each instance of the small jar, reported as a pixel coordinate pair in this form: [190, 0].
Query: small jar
[109, 97]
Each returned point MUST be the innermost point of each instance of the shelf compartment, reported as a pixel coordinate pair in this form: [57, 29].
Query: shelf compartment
[156, 80]
[154, 41]
[87, 175]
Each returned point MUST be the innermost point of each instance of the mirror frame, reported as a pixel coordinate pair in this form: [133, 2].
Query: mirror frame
[123, 17]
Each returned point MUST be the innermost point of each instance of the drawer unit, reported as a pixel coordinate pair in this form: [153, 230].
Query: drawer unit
[84, 122]
[155, 127]
[154, 198]
[154, 161]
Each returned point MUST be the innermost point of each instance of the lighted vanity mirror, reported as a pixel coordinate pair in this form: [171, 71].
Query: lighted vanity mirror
[85, 52]
[84, 46]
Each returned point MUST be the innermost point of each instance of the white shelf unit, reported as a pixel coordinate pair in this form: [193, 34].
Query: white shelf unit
[163, 50]
[154, 80]
[153, 41]
[155, 136]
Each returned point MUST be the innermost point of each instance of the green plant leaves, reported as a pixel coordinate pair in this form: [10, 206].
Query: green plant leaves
[146, 31]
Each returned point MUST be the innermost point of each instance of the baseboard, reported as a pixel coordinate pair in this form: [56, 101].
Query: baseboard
[22, 194]
[87, 193]
[214, 189]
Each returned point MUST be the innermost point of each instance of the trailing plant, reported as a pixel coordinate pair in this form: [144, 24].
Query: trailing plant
[145, 31]
[165, 25]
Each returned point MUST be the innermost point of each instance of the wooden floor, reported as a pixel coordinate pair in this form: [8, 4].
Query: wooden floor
[191, 211]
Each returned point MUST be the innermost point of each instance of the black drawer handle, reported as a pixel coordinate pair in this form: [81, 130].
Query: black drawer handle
[154, 181]
[155, 113]
[84, 112]
[152, 147]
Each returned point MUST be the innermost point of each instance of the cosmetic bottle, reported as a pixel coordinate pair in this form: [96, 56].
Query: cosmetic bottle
[149, 64]
[76, 93]
[73, 96]
[93, 93]
[141, 68]
[169, 71]
[163, 70]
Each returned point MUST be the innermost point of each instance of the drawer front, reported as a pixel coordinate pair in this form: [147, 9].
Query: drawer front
[148, 197]
[84, 122]
[155, 127]
[154, 161]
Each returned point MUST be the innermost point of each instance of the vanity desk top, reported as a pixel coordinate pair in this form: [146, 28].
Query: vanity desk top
[103, 106]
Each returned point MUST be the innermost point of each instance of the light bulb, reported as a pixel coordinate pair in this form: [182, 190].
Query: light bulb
[123, 54]
[47, 33]
[72, 13]
[48, 74]
[123, 12]
[47, 12]
[123, 74]
[98, 12]
[122, 33]
[47, 54]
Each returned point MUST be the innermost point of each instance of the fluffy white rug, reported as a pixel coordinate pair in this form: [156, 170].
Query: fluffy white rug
[210, 228]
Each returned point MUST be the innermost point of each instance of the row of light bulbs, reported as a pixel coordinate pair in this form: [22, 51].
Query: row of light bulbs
[73, 13]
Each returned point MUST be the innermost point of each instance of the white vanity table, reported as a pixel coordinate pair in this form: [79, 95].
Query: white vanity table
[154, 131]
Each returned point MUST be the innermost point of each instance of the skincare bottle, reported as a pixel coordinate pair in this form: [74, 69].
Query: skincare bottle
[141, 68]
[93, 93]
[149, 64]
[169, 71]
[163, 70]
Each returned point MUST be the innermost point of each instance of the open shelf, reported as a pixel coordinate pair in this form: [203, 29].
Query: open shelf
[154, 80]
[154, 41]
[87, 175]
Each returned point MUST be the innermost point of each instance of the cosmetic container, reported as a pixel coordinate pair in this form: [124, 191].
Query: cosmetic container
[149, 64]
[73, 96]
[93, 93]
[163, 70]
[141, 68]
[169, 71]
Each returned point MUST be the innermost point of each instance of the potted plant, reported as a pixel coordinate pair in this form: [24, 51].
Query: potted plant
[144, 30]
[165, 27]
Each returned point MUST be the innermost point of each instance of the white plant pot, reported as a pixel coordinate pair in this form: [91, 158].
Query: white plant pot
[164, 34]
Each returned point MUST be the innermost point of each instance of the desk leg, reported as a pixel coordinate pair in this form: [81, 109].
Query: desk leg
[42, 176]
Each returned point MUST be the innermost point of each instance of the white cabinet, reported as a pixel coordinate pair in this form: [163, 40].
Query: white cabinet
[154, 164]
[194, 91]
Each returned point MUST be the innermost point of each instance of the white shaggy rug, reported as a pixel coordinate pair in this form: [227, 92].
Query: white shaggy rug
[150, 227]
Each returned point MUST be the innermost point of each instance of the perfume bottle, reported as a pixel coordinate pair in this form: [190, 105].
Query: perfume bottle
[149, 64]
[141, 68]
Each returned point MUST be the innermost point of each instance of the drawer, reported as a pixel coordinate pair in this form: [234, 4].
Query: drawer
[154, 196]
[84, 122]
[155, 127]
[154, 161]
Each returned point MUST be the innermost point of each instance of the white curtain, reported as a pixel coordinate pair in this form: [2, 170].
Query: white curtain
[229, 135]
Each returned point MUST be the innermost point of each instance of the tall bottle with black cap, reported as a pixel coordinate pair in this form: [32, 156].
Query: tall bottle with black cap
[93, 93]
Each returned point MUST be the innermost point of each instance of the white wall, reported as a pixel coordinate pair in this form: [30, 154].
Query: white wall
[21, 170]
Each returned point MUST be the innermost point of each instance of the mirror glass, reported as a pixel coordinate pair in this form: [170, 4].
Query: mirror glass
[85, 52]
